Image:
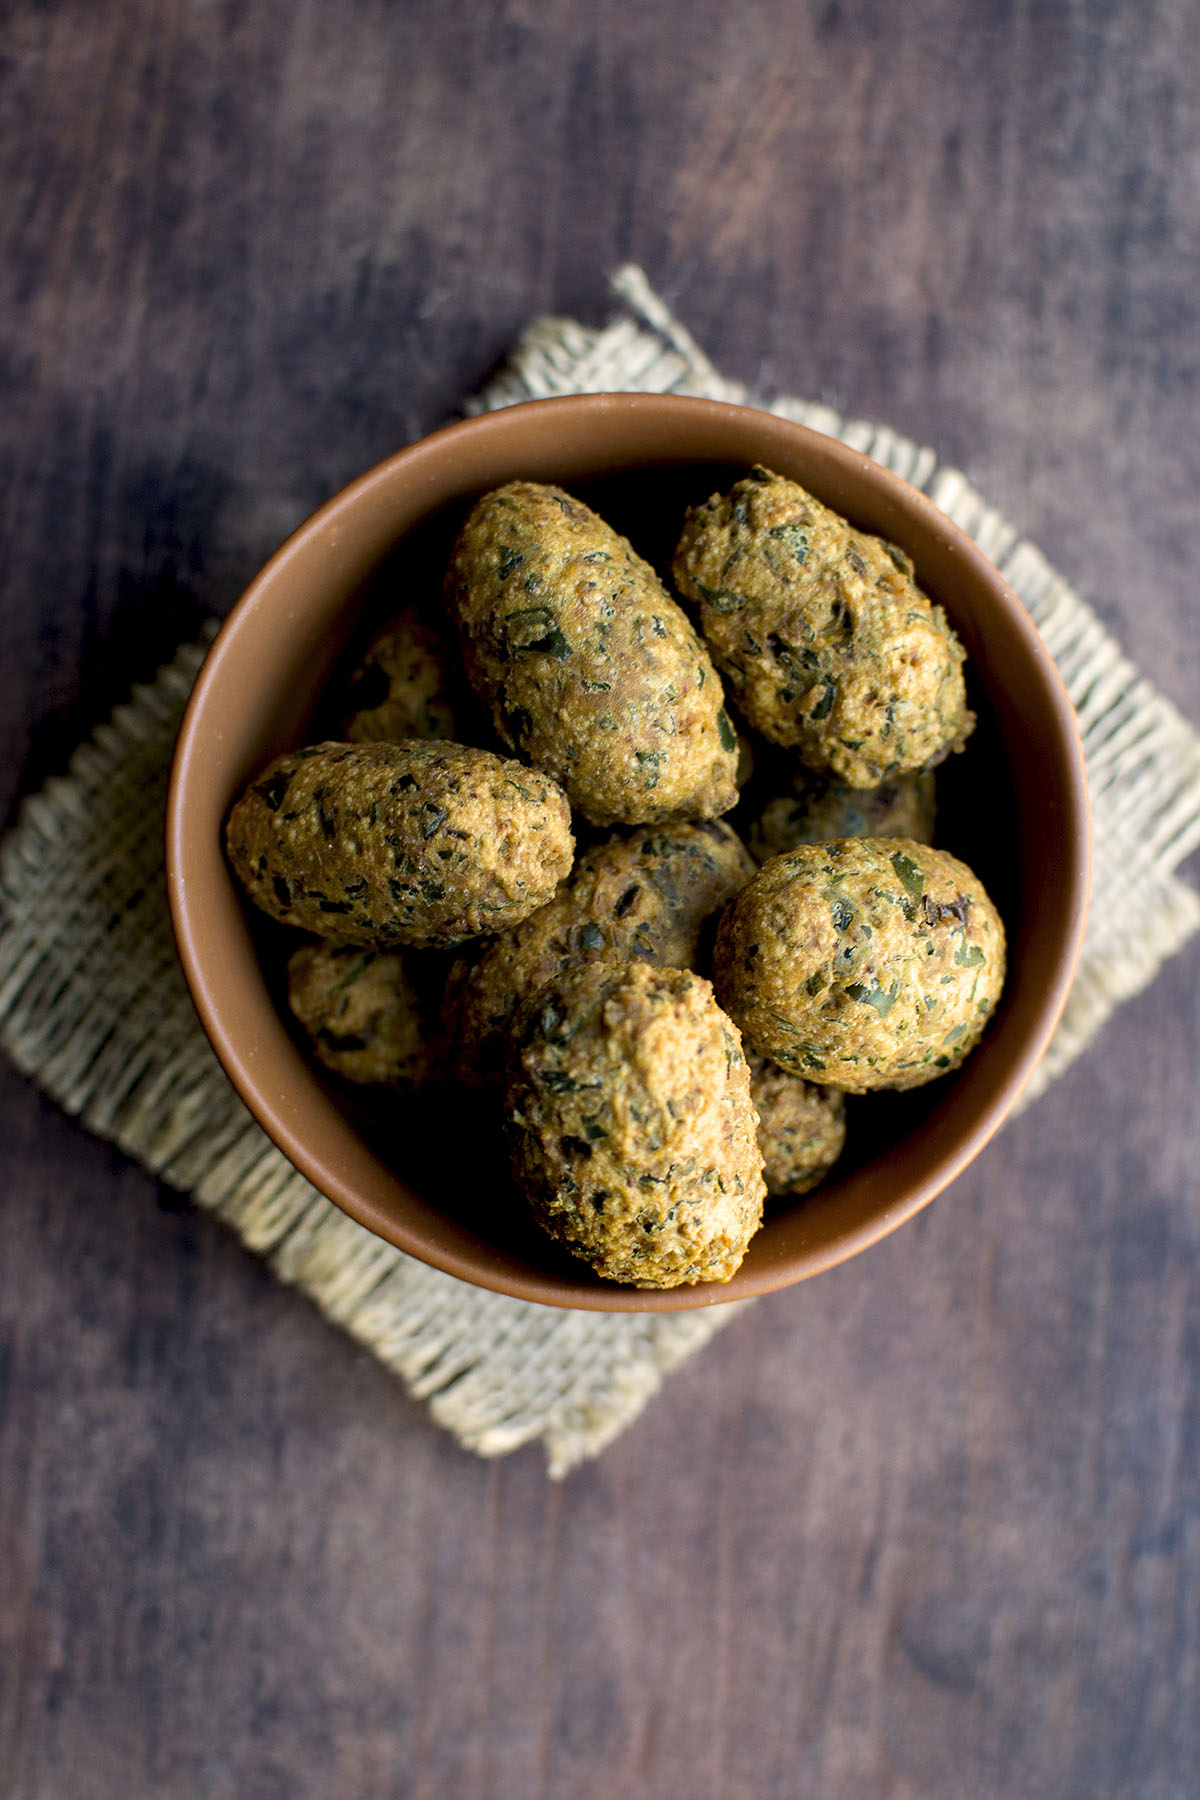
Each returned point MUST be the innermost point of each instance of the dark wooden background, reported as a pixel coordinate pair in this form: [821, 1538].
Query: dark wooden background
[925, 1529]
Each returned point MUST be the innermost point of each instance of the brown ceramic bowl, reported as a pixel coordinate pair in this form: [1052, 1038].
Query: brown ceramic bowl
[1014, 805]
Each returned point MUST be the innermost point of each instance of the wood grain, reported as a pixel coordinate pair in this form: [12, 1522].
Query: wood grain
[925, 1529]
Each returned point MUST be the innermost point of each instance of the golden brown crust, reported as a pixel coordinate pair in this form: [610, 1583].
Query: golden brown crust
[817, 810]
[631, 1124]
[801, 1127]
[590, 669]
[403, 688]
[822, 633]
[413, 843]
[363, 1015]
[862, 963]
[642, 896]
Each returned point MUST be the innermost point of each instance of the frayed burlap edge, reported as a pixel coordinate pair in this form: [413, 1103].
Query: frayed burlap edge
[87, 958]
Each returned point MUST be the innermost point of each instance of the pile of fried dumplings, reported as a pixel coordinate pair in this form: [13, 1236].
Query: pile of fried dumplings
[512, 871]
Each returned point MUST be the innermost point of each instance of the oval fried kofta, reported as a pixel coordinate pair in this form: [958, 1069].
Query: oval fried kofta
[403, 688]
[825, 638]
[801, 1127]
[862, 963]
[643, 896]
[631, 1124]
[413, 843]
[365, 1017]
[590, 669]
[816, 810]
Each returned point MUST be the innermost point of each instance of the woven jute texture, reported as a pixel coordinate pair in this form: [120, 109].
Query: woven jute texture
[93, 1005]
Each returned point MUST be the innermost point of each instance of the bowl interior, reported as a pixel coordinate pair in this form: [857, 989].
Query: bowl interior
[429, 1175]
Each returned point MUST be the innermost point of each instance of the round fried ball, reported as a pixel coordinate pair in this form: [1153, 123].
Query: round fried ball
[822, 633]
[862, 963]
[365, 1018]
[642, 896]
[801, 1127]
[817, 810]
[590, 669]
[413, 843]
[403, 688]
[631, 1124]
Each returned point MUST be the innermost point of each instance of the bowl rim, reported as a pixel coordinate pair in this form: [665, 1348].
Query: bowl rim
[184, 856]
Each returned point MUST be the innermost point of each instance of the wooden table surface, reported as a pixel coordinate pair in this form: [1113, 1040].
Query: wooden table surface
[927, 1528]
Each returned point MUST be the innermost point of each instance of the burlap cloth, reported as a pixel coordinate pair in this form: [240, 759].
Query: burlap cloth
[93, 1005]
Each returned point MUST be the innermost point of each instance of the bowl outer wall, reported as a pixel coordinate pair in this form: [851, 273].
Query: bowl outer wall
[263, 677]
